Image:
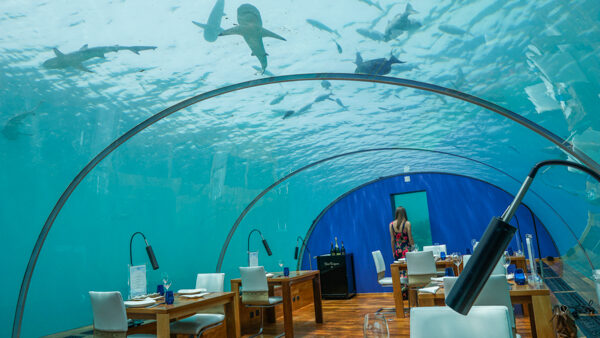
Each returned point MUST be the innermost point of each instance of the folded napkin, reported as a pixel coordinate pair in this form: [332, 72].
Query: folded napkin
[510, 276]
[431, 289]
[437, 279]
[190, 291]
[197, 295]
[139, 303]
[269, 275]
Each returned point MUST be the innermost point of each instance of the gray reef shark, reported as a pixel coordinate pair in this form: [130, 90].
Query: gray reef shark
[401, 23]
[12, 128]
[75, 59]
[212, 28]
[376, 66]
[371, 34]
[251, 29]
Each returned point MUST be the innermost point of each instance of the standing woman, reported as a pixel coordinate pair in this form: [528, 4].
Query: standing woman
[400, 234]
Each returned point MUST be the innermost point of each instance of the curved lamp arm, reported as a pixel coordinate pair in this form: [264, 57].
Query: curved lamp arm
[494, 241]
[149, 251]
[264, 241]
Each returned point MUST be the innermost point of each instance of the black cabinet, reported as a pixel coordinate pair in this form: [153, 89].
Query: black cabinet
[337, 276]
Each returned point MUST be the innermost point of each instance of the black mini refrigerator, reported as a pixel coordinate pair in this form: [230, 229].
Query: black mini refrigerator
[337, 276]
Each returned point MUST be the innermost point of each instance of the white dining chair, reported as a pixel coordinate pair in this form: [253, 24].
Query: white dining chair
[436, 249]
[496, 291]
[255, 292]
[110, 317]
[420, 268]
[443, 322]
[197, 324]
[381, 279]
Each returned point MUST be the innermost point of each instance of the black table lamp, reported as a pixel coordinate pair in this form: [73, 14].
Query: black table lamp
[298, 247]
[264, 241]
[149, 251]
[494, 241]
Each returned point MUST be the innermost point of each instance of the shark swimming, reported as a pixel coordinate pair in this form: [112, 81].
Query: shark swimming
[212, 28]
[76, 59]
[371, 3]
[251, 29]
[371, 34]
[322, 26]
[401, 23]
[12, 128]
[376, 66]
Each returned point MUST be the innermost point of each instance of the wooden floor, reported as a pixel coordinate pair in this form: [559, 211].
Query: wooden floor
[344, 318]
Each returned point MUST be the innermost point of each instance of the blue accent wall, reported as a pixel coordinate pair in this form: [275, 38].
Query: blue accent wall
[460, 209]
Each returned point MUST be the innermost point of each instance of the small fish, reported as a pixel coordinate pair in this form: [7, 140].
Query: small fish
[376, 66]
[278, 99]
[323, 27]
[325, 84]
[371, 34]
[11, 129]
[341, 104]
[323, 97]
[371, 3]
[339, 48]
[301, 110]
[452, 30]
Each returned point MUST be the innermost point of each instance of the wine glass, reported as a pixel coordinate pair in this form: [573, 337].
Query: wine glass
[473, 241]
[506, 260]
[280, 263]
[457, 259]
[166, 281]
[375, 326]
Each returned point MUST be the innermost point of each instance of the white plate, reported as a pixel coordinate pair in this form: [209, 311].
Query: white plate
[510, 276]
[139, 303]
[269, 275]
[197, 295]
[190, 291]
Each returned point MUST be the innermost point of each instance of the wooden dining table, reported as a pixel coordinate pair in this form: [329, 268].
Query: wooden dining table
[535, 296]
[185, 307]
[285, 282]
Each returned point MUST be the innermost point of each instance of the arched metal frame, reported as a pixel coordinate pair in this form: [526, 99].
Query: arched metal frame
[342, 196]
[310, 165]
[557, 140]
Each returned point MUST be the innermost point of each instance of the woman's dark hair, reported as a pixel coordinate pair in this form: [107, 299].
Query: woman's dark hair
[400, 215]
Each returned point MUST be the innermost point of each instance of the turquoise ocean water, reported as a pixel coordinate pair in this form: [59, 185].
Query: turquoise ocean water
[185, 180]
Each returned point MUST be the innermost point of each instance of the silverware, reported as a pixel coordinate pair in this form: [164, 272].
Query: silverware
[157, 304]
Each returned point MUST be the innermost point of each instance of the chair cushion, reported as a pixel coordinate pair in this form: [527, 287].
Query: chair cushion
[272, 301]
[386, 281]
[482, 321]
[196, 323]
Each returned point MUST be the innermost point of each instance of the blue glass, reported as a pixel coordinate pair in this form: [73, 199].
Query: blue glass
[520, 278]
[169, 297]
[160, 289]
[449, 272]
[286, 271]
[443, 255]
[511, 268]
[510, 251]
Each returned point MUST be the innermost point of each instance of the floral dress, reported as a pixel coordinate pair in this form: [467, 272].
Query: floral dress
[401, 244]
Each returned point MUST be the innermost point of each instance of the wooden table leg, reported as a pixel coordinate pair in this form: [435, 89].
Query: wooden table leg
[288, 321]
[270, 311]
[232, 317]
[399, 301]
[426, 299]
[542, 314]
[317, 299]
[163, 327]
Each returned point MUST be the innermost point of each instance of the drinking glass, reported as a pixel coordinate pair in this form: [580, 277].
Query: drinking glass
[473, 241]
[457, 259]
[280, 263]
[506, 260]
[166, 281]
[375, 326]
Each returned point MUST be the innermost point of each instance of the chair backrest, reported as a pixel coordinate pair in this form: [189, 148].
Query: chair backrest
[465, 260]
[379, 264]
[212, 282]
[495, 292]
[482, 321]
[499, 268]
[420, 263]
[109, 311]
[255, 289]
[436, 249]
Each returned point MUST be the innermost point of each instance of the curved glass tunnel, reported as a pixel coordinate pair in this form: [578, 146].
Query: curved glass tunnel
[185, 180]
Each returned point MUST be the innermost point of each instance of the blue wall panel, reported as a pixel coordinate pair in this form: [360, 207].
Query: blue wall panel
[460, 209]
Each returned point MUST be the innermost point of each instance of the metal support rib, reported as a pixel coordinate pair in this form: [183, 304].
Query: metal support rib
[558, 141]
